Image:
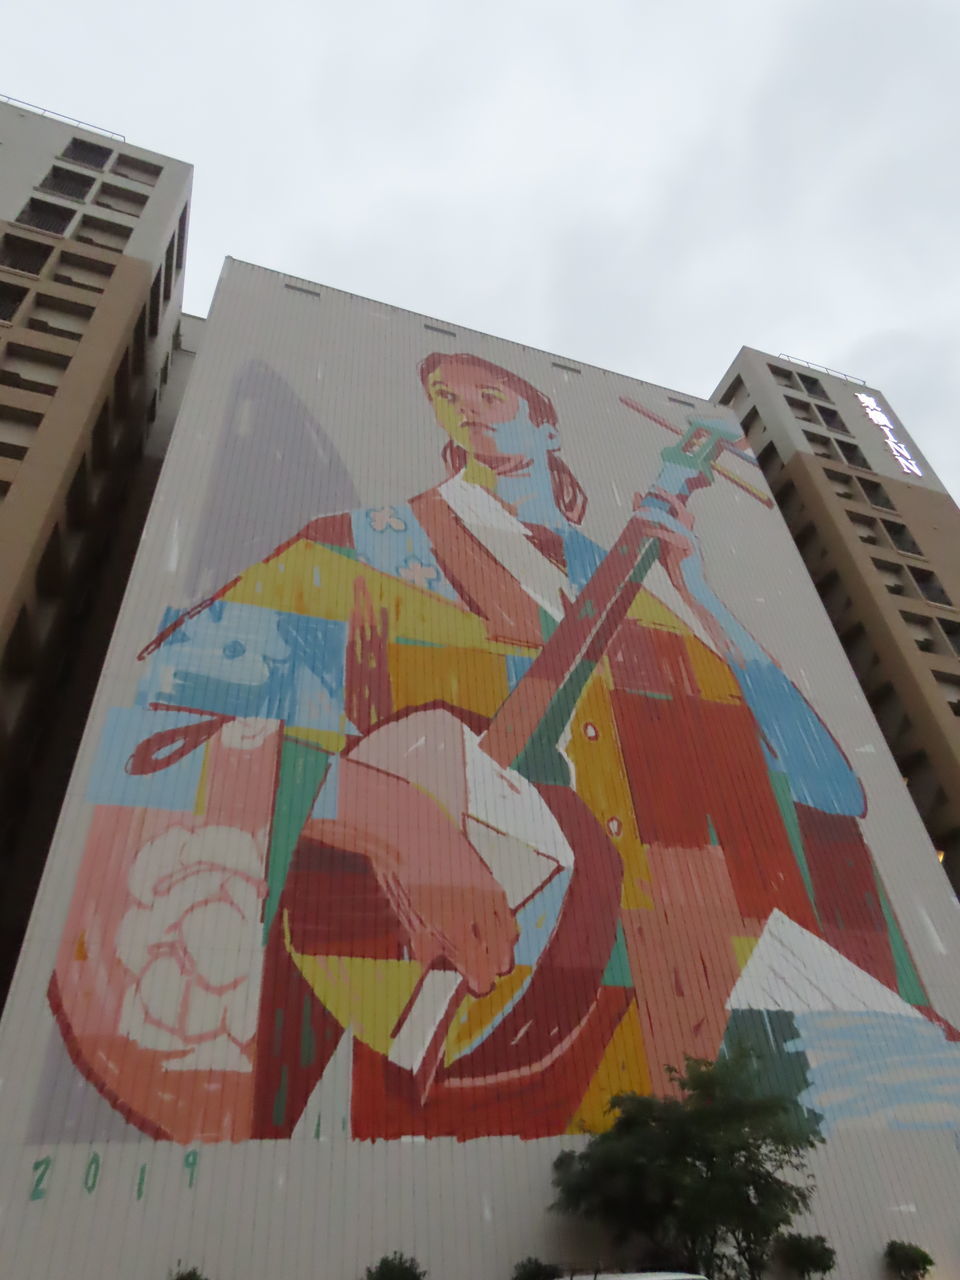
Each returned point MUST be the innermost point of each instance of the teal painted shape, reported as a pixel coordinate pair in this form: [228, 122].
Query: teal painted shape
[617, 972]
[909, 985]
[788, 811]
[303, 768]
[540, 761]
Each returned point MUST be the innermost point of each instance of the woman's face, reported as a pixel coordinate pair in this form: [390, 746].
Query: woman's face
[489, 420]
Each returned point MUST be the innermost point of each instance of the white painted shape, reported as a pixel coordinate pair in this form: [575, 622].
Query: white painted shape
[792, 969]
[519, 869]
[438, 988]
[505, 537]
[501, 799]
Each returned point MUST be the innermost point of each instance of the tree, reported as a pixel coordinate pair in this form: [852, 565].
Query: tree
[687, 1181]
[188, 1273]
[907, 1261]
[534, 1269]
[805, 1255]
[396, 1266]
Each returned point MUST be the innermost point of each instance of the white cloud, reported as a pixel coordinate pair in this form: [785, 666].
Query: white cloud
[644, 186]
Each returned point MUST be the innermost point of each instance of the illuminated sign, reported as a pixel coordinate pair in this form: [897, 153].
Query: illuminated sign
[899, 451]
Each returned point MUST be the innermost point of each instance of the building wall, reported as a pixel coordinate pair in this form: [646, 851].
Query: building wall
[880, 536]
[92, 249]
[386, 864]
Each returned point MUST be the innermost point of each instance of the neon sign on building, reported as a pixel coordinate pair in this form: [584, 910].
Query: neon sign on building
[899, 451]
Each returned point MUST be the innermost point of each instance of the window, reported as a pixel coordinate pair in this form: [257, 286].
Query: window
[812, 386]
[137, 170]
[103, 234]
[930, 586]
[153, 316]
[735, 390]
[11, 295]
[64, 182]
[119, 199]
[853, 455]
[842, 485]
[783, 377]
[802, 409]
[83, 273]
[952, 631]
[78, 498]
[876, 495]
[18, 428]
[769, 460]
[902, 538]
[45, 216]
[31, 368]
[822, 446]
[920, 779]
[89, 153]
[832, 593]
[58, 316]
[165, 372]
[923, 632]
[139, 351]
[832, 419]
[181, 238]
[168, 258]
[19, 254]
[893, 576]
[867, 529]
[100, 440]
[949, 687]
[50, 570]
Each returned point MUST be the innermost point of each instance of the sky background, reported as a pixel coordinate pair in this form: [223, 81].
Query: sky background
[645, 185]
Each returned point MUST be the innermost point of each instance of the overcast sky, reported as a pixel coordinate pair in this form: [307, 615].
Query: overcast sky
[644, 185]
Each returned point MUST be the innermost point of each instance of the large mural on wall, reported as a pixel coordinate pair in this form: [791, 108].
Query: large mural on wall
[443, 781]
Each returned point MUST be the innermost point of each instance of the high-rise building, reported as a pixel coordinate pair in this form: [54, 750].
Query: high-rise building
[472, 744]
[880, 537]
[92, 244]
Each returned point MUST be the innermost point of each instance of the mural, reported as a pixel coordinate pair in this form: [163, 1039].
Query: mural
[443, 784]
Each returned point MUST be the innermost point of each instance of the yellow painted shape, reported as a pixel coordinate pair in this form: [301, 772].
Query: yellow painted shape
[80, 949]
[326, 739]
[743, 949]
[478, 1012]
[651, 611]
[623, 1069]
[601, 782]
[365, 996]
[714, 677]
[319, 582]
[472, 679]
[200, 800]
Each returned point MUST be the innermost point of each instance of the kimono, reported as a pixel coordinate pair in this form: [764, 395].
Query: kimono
[219, 950]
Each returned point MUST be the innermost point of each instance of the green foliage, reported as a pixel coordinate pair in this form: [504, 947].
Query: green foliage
[396, 1266]
[697, 1181]
[805, 1255]
[534, 1269]
[907, 1261]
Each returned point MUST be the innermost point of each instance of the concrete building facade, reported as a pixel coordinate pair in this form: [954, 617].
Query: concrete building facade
[92, 249]
[472, 744]
[880, 537]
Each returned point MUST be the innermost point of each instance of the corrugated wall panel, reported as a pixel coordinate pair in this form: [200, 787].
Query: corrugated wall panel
[487, 749]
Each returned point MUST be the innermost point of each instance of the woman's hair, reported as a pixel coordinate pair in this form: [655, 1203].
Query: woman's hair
[568, 493]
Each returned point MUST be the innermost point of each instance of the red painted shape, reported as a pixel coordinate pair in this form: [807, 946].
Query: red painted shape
[846, 892]
[689, 760]
[537, 1101]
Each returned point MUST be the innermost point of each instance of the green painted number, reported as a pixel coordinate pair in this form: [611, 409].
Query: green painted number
[41, 1168]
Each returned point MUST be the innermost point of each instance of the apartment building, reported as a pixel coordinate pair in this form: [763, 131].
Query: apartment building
[93, 234]
[880, 537]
